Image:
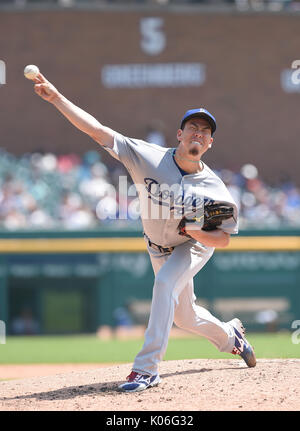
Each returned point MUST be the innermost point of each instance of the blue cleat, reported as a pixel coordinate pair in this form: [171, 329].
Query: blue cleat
[241, 346]
[137, 382]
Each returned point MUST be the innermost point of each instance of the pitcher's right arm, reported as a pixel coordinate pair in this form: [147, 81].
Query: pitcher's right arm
[78, 117]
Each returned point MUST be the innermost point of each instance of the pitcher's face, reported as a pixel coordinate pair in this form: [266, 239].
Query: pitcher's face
[195, 138]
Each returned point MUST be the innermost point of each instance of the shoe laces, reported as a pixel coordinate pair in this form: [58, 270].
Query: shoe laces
[235, 351]
[132, 376]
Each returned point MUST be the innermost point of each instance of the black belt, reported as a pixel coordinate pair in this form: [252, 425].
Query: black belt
[160, 248]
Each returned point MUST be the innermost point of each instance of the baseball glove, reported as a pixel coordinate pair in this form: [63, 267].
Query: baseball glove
[214, 214]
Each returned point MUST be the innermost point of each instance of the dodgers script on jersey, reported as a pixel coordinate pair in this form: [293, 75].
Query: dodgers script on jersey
[165, 194]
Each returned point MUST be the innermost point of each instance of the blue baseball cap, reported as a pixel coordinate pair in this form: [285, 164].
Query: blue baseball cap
[200, 113]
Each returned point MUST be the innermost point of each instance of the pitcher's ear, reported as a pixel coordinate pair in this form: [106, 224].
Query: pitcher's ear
[179, 134]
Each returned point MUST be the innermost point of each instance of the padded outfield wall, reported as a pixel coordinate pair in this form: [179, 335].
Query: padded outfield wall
[76, 282]
[134, 69]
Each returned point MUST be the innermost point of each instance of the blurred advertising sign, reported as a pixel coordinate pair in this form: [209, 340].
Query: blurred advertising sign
[290, 78]
[258, 261]
[2, 72]
[153, 75]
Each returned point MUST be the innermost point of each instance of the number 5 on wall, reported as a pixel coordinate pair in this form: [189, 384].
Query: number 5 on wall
[153, 38]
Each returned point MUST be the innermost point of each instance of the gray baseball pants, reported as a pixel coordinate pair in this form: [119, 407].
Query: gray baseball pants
[173, 300]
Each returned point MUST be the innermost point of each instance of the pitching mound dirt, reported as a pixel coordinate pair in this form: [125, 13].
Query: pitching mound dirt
[188, 385]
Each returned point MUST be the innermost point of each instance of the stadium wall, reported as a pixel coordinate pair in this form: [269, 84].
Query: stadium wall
[78, 282]
[237, 65]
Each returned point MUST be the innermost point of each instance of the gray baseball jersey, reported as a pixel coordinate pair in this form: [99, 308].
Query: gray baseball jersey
[164, 193]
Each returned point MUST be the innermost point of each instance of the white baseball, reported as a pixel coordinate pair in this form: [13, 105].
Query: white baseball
[31, 71]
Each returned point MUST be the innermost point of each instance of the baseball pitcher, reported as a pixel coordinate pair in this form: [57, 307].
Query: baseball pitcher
[186, 211]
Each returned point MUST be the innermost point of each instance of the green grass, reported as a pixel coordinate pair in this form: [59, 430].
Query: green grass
[66, 349]
[89, 349]
[277, 345]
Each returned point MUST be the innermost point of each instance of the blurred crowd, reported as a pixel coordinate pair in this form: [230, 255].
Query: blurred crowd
[48, 191]
[263, 205]
[256, 5]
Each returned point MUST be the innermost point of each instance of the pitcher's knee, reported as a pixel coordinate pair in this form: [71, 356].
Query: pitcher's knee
[182, 322]
[166, 289]
[166, 281]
